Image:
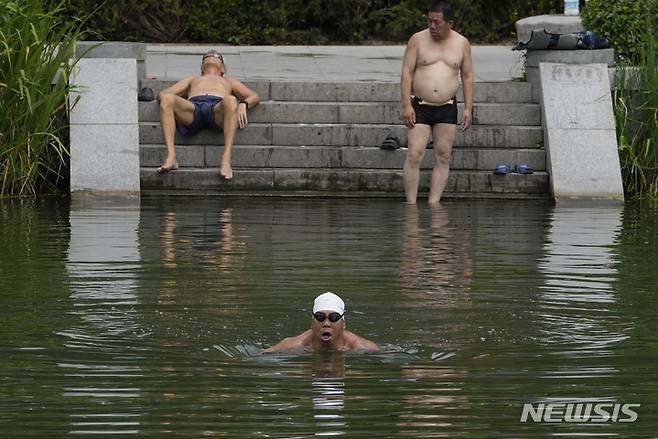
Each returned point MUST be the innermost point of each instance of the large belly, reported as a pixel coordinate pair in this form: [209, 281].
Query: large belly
[435, 83]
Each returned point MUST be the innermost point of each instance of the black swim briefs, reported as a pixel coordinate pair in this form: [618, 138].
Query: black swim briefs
[204, 115]
[433, 114]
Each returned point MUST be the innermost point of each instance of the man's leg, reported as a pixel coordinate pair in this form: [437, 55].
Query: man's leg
[444, 137]
[416, 143]
[226, 116]
[173, 108]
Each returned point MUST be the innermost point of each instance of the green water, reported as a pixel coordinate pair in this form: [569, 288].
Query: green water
[149, 321]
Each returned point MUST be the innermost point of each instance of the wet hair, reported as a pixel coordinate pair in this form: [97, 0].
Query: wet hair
[444, 8]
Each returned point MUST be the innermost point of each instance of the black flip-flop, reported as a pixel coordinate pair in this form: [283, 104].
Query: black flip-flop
[146, 95]
[391, 142]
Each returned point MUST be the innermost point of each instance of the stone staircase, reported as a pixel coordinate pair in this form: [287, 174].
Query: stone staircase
[324, 137]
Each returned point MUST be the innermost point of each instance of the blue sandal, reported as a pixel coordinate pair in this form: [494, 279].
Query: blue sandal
[502, 169]
[522, 169]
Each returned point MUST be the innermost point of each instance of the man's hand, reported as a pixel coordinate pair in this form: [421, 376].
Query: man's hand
[242, 116]
[409, 116]
[467, 118]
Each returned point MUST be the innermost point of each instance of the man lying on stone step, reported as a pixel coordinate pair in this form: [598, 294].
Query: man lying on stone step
[433, 61]
[209, 100]
[327, 330]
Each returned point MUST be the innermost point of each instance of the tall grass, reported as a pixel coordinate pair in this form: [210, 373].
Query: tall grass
[636, 111]
[35, 49]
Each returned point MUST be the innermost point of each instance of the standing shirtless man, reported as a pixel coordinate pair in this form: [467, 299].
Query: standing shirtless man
[213, 101]
[433, 60]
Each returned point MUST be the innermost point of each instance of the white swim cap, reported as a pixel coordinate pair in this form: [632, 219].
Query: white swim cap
[328, 302]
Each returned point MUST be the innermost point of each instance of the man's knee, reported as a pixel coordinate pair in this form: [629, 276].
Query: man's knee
[166, 99]
[414, 157]
[230, 103]
[442, 155]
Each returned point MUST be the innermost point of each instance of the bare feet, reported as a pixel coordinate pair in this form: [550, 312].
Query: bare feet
[226, 171]
[168, 165]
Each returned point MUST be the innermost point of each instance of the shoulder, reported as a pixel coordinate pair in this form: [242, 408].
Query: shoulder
[294, 342]
[418, 37]
[358, 342]
[461, 38]
[233, 81]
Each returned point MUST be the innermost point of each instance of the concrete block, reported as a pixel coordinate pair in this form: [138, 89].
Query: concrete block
[503, 92]
[111, 49]
[278, 157]
[262, 87]
[105, 90]
[105, 158]
[505, 114]
[580, 132]
[186, 155]
[115, 49]
[209, 178]
[295, 112]
[369, 113]
[500, 136]
[364, 113]
[253, 134]
[310, 134]
[600, 56]
[470, 183]
[555, 24]
[335, 91]
[337, 180]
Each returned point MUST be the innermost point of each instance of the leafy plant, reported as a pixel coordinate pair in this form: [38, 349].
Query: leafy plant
[636, 113]
[35, 50]
[623, 22]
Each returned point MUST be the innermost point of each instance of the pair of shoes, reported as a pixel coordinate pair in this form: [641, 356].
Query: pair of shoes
[146, 95]
[391, 142]
[165, 169]
[516, 169]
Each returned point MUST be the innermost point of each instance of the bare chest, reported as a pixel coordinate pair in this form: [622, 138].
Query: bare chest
[209, 83]
[449, 54]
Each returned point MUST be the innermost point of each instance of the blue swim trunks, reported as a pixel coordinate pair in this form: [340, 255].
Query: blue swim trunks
[204, 115]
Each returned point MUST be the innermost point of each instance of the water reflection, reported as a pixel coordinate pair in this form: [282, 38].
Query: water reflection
[436, 266]
[103, 261]
[577, 303]
[328, 386]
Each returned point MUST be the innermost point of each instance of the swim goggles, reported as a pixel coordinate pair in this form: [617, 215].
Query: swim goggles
[333, 317]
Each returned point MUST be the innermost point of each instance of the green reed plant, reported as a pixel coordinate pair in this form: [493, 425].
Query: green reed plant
[635, 99]
[35, 48]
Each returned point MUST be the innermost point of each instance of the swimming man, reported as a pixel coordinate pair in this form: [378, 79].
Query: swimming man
[432, 63]
[213, 101]
[327, 330]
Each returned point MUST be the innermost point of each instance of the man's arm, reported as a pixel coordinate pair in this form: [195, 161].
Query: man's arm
[180, 88]
[406, 78]
[244, 93]
[287, 344]
[468, 86]
[358, 342]
[247, 98]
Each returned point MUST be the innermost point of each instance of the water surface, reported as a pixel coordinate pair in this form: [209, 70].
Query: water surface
[150, 320]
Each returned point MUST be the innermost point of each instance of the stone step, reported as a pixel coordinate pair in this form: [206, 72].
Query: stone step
[258, 156]
[364, 113]
[271, 180]
[363, 91]
[479, 136]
